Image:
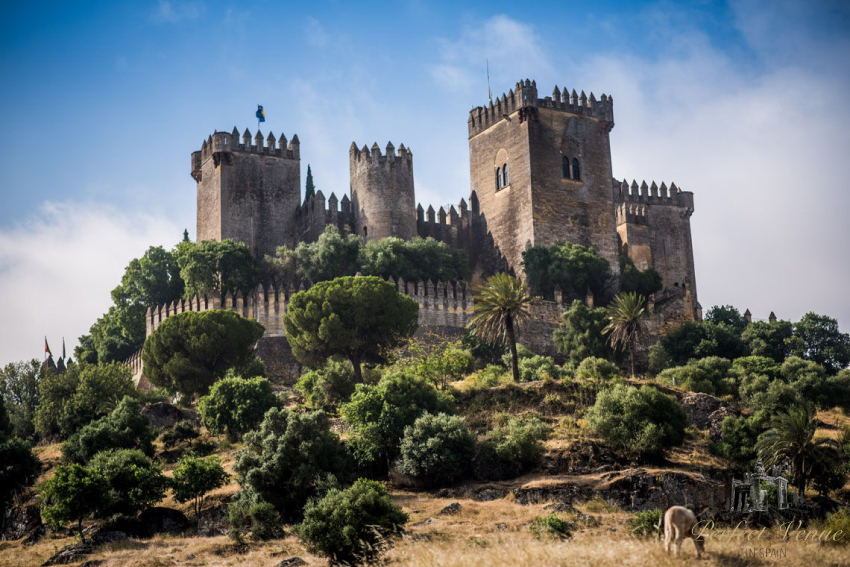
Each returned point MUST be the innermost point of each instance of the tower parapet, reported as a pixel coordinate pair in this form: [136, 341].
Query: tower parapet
[524, 98]
[382, 191]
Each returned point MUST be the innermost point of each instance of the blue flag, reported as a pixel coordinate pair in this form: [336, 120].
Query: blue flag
[261, 114]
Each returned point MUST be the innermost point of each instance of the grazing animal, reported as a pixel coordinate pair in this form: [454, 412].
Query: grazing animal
[679, 523]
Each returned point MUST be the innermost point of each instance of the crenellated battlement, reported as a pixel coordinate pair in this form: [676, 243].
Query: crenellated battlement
[524, 95]
[220, 143]
[652, 194]
[374, 154]
[632, 213]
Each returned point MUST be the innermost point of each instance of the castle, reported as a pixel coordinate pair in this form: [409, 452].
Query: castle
[540, 173]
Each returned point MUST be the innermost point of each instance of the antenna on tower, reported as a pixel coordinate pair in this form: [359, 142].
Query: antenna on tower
[489, 92]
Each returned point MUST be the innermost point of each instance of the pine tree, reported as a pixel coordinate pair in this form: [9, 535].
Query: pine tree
[310, 189]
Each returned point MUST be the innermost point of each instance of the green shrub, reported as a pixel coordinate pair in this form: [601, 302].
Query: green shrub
[443, 365]
[531, 366]
[351, 525]
[182, 431]
[835, 522]
[708, 375]
[646, 523]
[738, 436]
[551, 527]
[236, 405]
[282, 461]
[598, 369]
[18, 469]
[135, 482]
[73, 494]
[436, 449]
[490, 376]
[124, 428]
[195, 476]
[642, 422]
[329, 386]
[378, 414]
[511, 449]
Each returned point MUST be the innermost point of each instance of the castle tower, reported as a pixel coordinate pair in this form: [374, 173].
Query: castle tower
[382, 192]
[248, 192]
[541, 170]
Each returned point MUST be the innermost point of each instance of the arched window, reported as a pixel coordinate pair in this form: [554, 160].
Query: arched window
[498, 178]
[365, 232]
[565, 167]
[505, 180]
[576, 170]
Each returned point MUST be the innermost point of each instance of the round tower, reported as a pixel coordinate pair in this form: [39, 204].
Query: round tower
[382, 194]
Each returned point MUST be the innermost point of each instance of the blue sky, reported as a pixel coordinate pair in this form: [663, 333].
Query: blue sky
[743, 103]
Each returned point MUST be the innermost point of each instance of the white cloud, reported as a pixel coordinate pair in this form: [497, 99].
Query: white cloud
[315, 33]
[170, 12]
[57, 269]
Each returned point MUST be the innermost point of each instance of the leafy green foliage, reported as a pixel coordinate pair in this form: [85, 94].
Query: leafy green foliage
[331, 256]
[74, 493]
[532, 366]
[236, 405]
[727, 315]
[83, 393]
[282, 460]
[436, 449]
[772, 340]
[483, 352]
[626, 326]
[490, 376]
[351, 525]
[419, 259]
[582, 333]
[646, 524]
[329, 386]
[379, 413]
[551, 527]
[576, 269]
[249, 513]
[135, 482]
[18, 466]
[191, 350]
[220, 266]
[446, 362]
[738, 438]
[124, 428]
[597, 369]
[643, 282]
[699, 340]
[360, 318]
[182, 431]
[819, 340]
[195, 476]
[838, 521]
[708, 375]
[510, 449]
[641, 421]
[19, 393]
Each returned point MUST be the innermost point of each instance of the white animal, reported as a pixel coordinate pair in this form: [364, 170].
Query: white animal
[679, 523]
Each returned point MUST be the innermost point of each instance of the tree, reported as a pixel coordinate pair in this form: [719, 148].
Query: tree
[441, 363]
[699, 340]
[74, 493]
[135, 482]
[236, 405]
[728, 315]
[360, 318]
[124, 428]
[19, 392]
[419, 259]
[18, 466]
[738, 437]
[331, 256]
[771, 339]
[211, 265]
[790, 435]
[282, 460]
[436, 449]
[576, 269]
[194, 477]
[644, 282]
[708, 375]
[581, 333]
[350, 525]
[820, 341]
[626, 325]
[191, 350]
[500, 307]
[378, 414]
[510, 449]
[642, 421]
[328, 386]
[83, 393]
[309, 188]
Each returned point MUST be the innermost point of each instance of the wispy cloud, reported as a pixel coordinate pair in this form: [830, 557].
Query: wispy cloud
[58, 267]
[170, 12]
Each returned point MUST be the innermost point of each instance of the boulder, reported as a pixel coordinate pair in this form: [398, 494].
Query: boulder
[700, 407]
[451, 509]
[108, 537]
[159, 520]
[213, 521]
[636, 489]
[69, 554]
[18, 521]
[715, 419]
[292, 562]
[163, 414]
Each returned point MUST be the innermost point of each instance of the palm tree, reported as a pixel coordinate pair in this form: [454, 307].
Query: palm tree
[790, 435]
[500, 306]
[625, 323]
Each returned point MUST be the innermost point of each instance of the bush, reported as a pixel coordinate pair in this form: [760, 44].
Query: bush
[378, 414]
[182, 431]
[531, 366]
[838, 521]
[19, 392]
[195, 476]
[581, 334]
[236, 405]
[329, 386]
[260, 518]
[282, 460]
[693, 340]
[642, 421]
[738, 438]
[74, 493]
[646, 523]
[511, 449]
[708, 375]
[18, 469]
[124, 428]
[436, 449]
[448, 363]
[551, 527]
[490, 376]
[598, 369]
[135, 482]
[351, 525]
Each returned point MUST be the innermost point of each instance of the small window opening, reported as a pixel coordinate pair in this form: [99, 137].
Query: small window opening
[576, 170]
[505, 181]
[365, 231]
[498, 178]
[565, 167]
